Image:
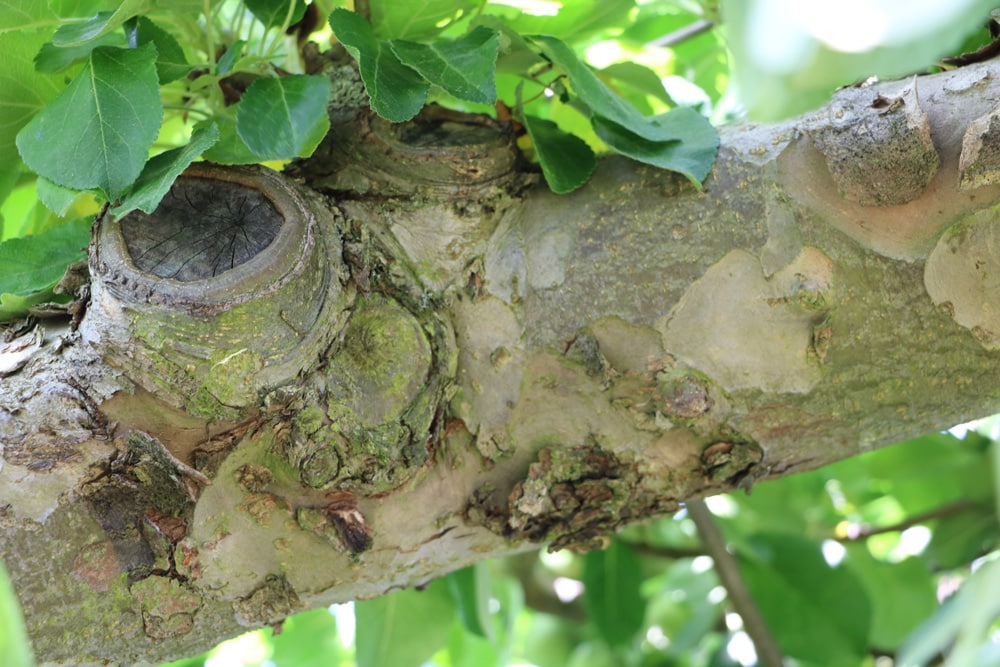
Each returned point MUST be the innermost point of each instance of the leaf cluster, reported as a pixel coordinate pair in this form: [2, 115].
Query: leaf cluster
[108, 102]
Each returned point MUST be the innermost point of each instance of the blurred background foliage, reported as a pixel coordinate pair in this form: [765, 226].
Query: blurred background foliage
[885, 559]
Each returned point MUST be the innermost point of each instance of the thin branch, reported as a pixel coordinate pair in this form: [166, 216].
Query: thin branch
[865, 532]
[660, 551]
[687, 32]
[363, 7]
[729, 574]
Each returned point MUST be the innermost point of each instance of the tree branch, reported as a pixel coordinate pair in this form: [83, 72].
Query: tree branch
[687, 32]
[864, 532]
[729, 574]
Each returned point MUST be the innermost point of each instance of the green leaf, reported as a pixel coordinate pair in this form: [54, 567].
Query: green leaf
[32, 265]
[416, 18]
[79, 9]
[962, 537]
[692, 156]
[284, 117]
[639, 78]
[575, 21]
[902, 595]
[403, 629]
[228, 59]
[272, 13]
[470, 589]
[601, 99]
[14, 645]
[308, 639]
[229, 149]
[680, 140]
[567, 161]
[463, 67]
[18, 15]
[23, 90]
[397, 92]
[51, 58]
[55, 197]
[469, 650]
[14, 306]
[102, 23]
[611, 581]
[98, 131]
[170, 61]
[162, 170]
[816, 613]
[962, 623]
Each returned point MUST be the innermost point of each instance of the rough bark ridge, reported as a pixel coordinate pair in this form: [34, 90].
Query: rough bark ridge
[406, 355]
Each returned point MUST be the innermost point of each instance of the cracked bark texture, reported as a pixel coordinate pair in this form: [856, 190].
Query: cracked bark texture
[435, 361]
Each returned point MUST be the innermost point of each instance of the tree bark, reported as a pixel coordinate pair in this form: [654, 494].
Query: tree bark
[406, 355]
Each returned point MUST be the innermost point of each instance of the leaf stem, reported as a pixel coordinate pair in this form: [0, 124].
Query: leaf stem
[206, 8]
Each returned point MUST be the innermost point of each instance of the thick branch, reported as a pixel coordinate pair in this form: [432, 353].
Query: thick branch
[436, 361]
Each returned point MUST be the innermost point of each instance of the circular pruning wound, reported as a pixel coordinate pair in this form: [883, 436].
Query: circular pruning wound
[202, 228]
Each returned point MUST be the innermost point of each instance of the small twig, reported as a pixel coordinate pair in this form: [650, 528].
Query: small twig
[660, 551]
[937, 513]
[729, 574]
[687, 32]
[363, 8]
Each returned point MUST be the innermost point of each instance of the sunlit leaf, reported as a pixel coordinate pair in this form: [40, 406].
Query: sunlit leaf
[98, 131]
[416, 19]
[281, 118]
[397, 92]
[575, 20]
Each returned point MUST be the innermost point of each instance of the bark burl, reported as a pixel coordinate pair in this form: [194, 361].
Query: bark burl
[405, 355]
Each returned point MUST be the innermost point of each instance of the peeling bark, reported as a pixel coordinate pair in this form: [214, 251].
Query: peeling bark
[434, 360]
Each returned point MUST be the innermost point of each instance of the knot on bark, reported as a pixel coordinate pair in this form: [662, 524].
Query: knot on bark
[441, 153]
[878, 149]
[573, 498]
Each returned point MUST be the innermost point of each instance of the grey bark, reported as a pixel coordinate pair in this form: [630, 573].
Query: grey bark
[436, 361]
